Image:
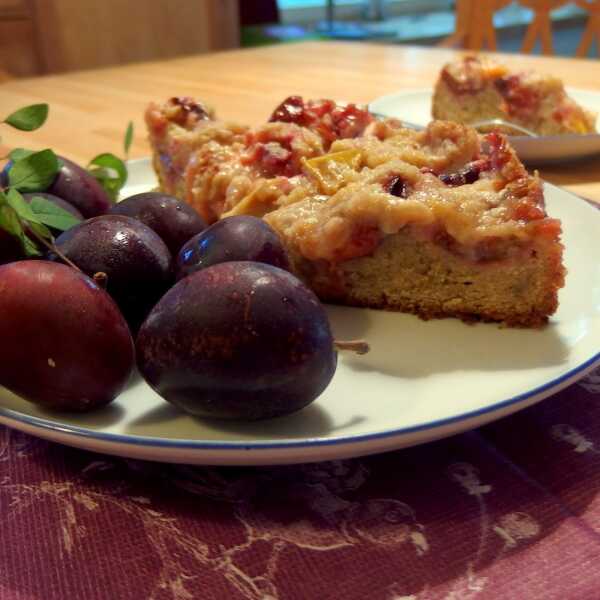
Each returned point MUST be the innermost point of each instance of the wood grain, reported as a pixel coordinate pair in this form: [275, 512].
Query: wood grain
[18, 55]
[14, 9]
[541, 25]
[592, 28]
[72, 34]
[90, 109]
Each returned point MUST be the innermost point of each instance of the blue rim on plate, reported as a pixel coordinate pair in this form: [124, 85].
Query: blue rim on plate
[102, 440]
[135, 440]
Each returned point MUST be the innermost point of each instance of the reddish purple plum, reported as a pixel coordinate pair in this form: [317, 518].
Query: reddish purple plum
[65, 345]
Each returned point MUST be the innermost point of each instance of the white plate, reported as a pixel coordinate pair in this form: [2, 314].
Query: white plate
[421, 381]
[414, 106]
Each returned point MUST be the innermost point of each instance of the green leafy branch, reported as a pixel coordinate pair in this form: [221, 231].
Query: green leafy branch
[28, 118]
[31, 171]
[29, 222]
[109, 170]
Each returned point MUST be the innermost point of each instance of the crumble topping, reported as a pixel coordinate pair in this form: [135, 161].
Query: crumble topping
[328, 119]
[279, 148]
[334, 182]
[352, 222]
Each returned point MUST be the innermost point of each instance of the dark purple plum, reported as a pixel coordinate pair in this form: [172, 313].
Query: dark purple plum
[10, 248]
[240, 237]
[238, 340]
[135, 259]
[174, 221]
[79, 188]
[4, 174]
[65, 345]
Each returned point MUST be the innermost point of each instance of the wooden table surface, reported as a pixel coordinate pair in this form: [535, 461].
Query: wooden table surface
[90, 110]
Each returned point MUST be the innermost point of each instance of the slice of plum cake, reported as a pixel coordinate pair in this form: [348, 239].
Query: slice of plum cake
[473, 89]
[439, 222]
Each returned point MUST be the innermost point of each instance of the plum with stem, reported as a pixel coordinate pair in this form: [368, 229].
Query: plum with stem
[238, 340]
[65, 346]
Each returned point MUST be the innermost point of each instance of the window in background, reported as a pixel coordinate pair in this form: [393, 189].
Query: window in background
[425, 22]
[391, 20]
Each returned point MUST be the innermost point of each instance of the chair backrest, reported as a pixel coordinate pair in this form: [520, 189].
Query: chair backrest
[474, 28]
[592, 28]
[541, 25]
[474, 25]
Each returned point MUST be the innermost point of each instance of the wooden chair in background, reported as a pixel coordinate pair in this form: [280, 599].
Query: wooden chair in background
[462, 28]
[474, 29]
[475, 23]
[592, 28]
[541, 26]
[483, 33]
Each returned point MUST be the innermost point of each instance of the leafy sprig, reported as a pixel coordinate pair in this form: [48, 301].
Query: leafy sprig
[109, 170]
[31, 171]
[128, 139]
[34, 172]
[30, 222]
[28, 118]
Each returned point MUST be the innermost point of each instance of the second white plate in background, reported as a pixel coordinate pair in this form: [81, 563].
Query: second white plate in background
[414, 106]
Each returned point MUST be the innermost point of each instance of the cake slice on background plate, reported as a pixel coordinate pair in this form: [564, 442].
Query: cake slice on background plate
[439, 222]
[473, 89]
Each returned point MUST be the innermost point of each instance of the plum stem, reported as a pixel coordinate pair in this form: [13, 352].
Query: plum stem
[357, 346]
[101, 279]
[52, 247]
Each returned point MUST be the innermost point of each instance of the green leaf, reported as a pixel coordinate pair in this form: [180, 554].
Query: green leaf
[30, 247]
[128, 138]
[10, 222]
[34, 173]
[19, 153]
[110, 172]
[102, 173]
[41, 230]
[28, 118]
[112, 163]
[111, 185]
[20, 206]
[48, 213]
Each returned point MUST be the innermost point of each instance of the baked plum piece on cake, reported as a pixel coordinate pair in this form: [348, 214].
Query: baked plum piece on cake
[215, 165]
[431, 227]
[473, 89]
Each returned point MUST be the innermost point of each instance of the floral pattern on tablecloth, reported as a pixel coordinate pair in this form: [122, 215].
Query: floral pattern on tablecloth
[508, 511]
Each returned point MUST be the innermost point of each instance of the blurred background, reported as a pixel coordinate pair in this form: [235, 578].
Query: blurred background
[48, 36]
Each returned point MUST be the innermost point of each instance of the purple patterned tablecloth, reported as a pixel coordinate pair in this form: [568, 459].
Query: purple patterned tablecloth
[509, 511]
